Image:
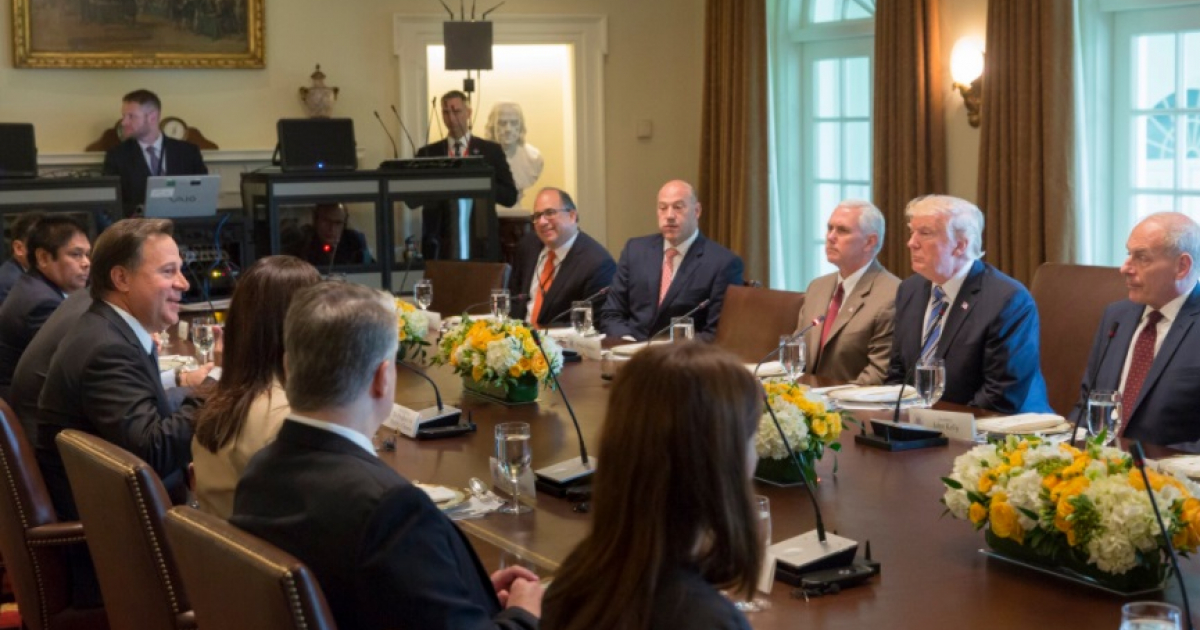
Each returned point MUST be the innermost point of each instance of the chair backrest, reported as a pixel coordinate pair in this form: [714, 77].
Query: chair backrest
[752, 320]
[237, 580]
[1070, 301]
[35, 545]
[122, 502]
[458, 285]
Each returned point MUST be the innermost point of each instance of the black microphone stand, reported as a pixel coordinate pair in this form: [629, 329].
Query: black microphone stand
[560, 477]
[439, 421]
[1139, 460]
[687, 314]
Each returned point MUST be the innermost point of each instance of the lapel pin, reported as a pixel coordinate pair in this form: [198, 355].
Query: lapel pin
[964, 306]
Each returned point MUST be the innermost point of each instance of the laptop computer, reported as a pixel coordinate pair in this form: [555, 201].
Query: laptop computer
[18, 151]
[317, 144]
[179, 196]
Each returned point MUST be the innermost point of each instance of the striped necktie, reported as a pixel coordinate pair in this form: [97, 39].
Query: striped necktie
[933, 326]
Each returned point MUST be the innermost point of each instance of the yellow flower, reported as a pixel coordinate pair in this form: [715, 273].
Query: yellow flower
[540, 369]
[515, 371]
[477, 372]
[977, 513]
[1003, 517]
[819, 427]
[1017, 457]
[987, 480]
[1188, 536]
[1069, 488]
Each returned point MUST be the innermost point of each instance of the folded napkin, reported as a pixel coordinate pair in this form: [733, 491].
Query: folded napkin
[439, 494]
[770, 368]
[1186, 465]
[876, 394]
[1021, 423]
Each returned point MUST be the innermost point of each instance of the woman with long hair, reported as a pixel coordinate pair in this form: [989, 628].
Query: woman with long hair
[249, 404]
[672, 514]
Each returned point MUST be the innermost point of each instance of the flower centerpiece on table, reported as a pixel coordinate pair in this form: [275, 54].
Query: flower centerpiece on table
[1084, 512]
[499, 359]
[414, 328]
[807, 422]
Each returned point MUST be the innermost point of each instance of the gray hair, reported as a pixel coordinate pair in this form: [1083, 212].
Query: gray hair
[870, 220]
[1181, 235]
[964, 220]
[494, 117]
[336, 334]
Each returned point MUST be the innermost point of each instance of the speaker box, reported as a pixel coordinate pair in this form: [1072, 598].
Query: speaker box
[468, 45]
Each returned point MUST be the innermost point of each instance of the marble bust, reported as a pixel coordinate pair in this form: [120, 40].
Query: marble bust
[506, 126]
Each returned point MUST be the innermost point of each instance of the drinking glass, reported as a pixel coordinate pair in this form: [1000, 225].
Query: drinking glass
[423, 292]
[762, 511]
[204, 336]
[931, 381]
[1150, 616]
[581, 317]
[682, 329]
[501, 301]
[791, 355]
[513, 454]
[1104, 414]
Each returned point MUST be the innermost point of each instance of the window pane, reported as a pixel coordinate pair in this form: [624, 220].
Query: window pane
[825, 89]
[1146, 205]
[858, 151]
[857, 191]
[1154, 69]
[1191, 161]
[858, 87]
[828, 197]
[1191, 67]
[1191, 206]
[1154, 151]
[855, 9]
[826, 10]
[828, 151]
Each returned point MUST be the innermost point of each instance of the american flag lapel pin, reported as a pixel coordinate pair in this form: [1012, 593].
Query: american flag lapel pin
[964, 306]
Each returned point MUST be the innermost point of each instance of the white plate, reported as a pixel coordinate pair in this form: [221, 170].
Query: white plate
[444, 497]
[630, 349]
[877, 395]
[768, 369]
[1024, 424]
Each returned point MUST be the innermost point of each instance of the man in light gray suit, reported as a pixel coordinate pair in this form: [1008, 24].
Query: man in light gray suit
[858, 302]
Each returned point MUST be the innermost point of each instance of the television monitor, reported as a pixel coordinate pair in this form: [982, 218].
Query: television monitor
[468, 45]
[18, 151]
[317, 144]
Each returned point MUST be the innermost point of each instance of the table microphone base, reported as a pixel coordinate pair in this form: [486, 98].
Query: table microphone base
[557, 479]
[891, 437]
[806, 553]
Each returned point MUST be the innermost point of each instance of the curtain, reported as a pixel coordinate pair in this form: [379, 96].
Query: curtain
[1026, 157]
[733, 136]
[909, 142]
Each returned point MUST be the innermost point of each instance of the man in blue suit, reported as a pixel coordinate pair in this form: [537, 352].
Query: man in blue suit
[1148, 346]
[957, 308]
[668, 274]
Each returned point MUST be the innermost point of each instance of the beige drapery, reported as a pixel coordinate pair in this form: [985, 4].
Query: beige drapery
[909, 141]
[1026, 157]
[733, 138]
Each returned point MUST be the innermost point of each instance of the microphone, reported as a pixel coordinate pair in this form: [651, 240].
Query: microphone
[591, 298]
[899, 397]
[411, 144]
[395, 151]
[560, 476]
[1139, 460]
[519, 296]
[816, 321]
[332, 256]
[1112, 332]
[687, 314]
[432, 117]
[439, 416]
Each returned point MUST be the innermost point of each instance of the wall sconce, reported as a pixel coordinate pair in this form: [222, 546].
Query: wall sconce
[966, 67]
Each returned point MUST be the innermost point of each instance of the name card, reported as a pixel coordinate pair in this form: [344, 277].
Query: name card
[955, 425]
[403, 420]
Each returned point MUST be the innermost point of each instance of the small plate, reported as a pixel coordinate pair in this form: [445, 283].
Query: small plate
[630, 349]
[447, 502]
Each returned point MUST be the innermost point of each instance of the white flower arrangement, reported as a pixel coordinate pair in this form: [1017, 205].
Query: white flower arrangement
[500, 353]
[804, 418]
[413, 327]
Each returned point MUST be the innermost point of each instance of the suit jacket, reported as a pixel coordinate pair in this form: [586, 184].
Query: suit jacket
[989, 341]
[1165, 411]
[35, 361]
[860, 342]
[128, 161]
[100, 381]
[385, 556]
[435, 217]
[632, 307]
[31, 302]
[587, 269]
[9, 272]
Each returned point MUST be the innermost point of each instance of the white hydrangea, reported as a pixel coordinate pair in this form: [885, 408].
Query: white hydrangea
[967, 469]
[1023, 490]
[1126, 525]
[503, 354]
[768, 443]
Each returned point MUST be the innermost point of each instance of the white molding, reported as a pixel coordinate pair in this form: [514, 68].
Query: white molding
[89, 158]
[1140, 5]
[588, 37]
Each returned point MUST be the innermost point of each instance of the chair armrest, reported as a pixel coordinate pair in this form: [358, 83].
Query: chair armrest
[66, 533]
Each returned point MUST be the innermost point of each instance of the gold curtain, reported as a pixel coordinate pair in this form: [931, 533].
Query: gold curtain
[733, 137]
[909, 142]
[1026, 158]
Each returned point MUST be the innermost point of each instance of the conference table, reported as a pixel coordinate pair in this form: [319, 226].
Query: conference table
[933, 573]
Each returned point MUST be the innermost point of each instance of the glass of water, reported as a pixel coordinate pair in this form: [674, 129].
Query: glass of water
[762, 511]
[204, 336]
[423, 292]
[1104, 414]
[501, 304]
[791, 355]
[581, 317]
[514, 455]
[683, 329]
[1150, 616]
[931, 381]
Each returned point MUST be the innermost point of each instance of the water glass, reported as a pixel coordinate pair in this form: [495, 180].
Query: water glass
[581, 317]
[1150, 616]
[931, 381]
[204, 336]
[683, 329]
[1104, 414]
[501, 304]
[514, 455]
[762, 513]
[791, 355]
[423, 292]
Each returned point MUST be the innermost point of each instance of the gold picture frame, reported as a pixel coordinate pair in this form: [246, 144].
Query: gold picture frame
[138, 34]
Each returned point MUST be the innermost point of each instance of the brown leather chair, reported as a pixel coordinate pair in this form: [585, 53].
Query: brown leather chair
[237, 580]
[122, 502]
[753, 319]
[34, 542]
[1070, 301]
[458, 285]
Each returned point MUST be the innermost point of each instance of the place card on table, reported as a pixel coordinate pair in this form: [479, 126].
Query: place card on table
[954, 425]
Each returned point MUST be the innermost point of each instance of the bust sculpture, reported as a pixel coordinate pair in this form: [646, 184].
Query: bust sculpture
[506, 126]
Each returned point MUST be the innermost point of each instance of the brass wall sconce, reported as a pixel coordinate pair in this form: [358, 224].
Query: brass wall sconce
[966, 67]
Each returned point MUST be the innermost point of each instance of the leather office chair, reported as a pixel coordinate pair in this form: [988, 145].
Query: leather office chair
[1070, 301]
[458, 285]
[237, 580]
[34, 542]
[122, 502]
[752, 320]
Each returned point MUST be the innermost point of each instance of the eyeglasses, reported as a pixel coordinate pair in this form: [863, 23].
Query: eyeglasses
[548, 213]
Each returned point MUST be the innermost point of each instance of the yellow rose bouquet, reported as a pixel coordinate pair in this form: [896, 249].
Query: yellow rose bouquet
[809, 426]
[414, 328]
[1084, 513]
[499, 359]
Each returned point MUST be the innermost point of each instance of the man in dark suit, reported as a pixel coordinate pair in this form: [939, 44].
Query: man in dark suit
[59, 250]
[666, 275]
[328, 240]
[386, 557]
[444, 225]
[145, 151]
[957, 308]
[18, 260]
[557, 264]
[1148, 346]
[104, 377]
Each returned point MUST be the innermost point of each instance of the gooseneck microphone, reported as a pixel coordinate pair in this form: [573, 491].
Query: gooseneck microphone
[816, 321]
[1139, 460]
[412, 145]
[687, 314]
[440, 415]
[908, 372]
[395, 150]
[574, 470]
[591, 298]
[1091, 383]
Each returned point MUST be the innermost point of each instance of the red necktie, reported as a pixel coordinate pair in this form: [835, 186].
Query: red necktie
[668, 273]
[835, 305]
[1139, 366]
[544, 281]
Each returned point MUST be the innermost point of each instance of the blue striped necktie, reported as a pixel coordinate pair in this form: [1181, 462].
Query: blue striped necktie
[933, 326]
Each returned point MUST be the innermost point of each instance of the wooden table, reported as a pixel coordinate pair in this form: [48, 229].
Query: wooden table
[933, 573]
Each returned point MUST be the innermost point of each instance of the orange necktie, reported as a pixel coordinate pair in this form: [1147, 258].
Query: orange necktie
[544, 281]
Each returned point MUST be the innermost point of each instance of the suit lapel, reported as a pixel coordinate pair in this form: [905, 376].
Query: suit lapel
[820, 293]
[1109, 375]
[109, 313]
[138, 158]
[852, 303]
[1179, 329]
[687, 267]
[963, 306]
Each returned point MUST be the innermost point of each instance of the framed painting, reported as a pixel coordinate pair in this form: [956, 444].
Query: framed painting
[138, 34]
